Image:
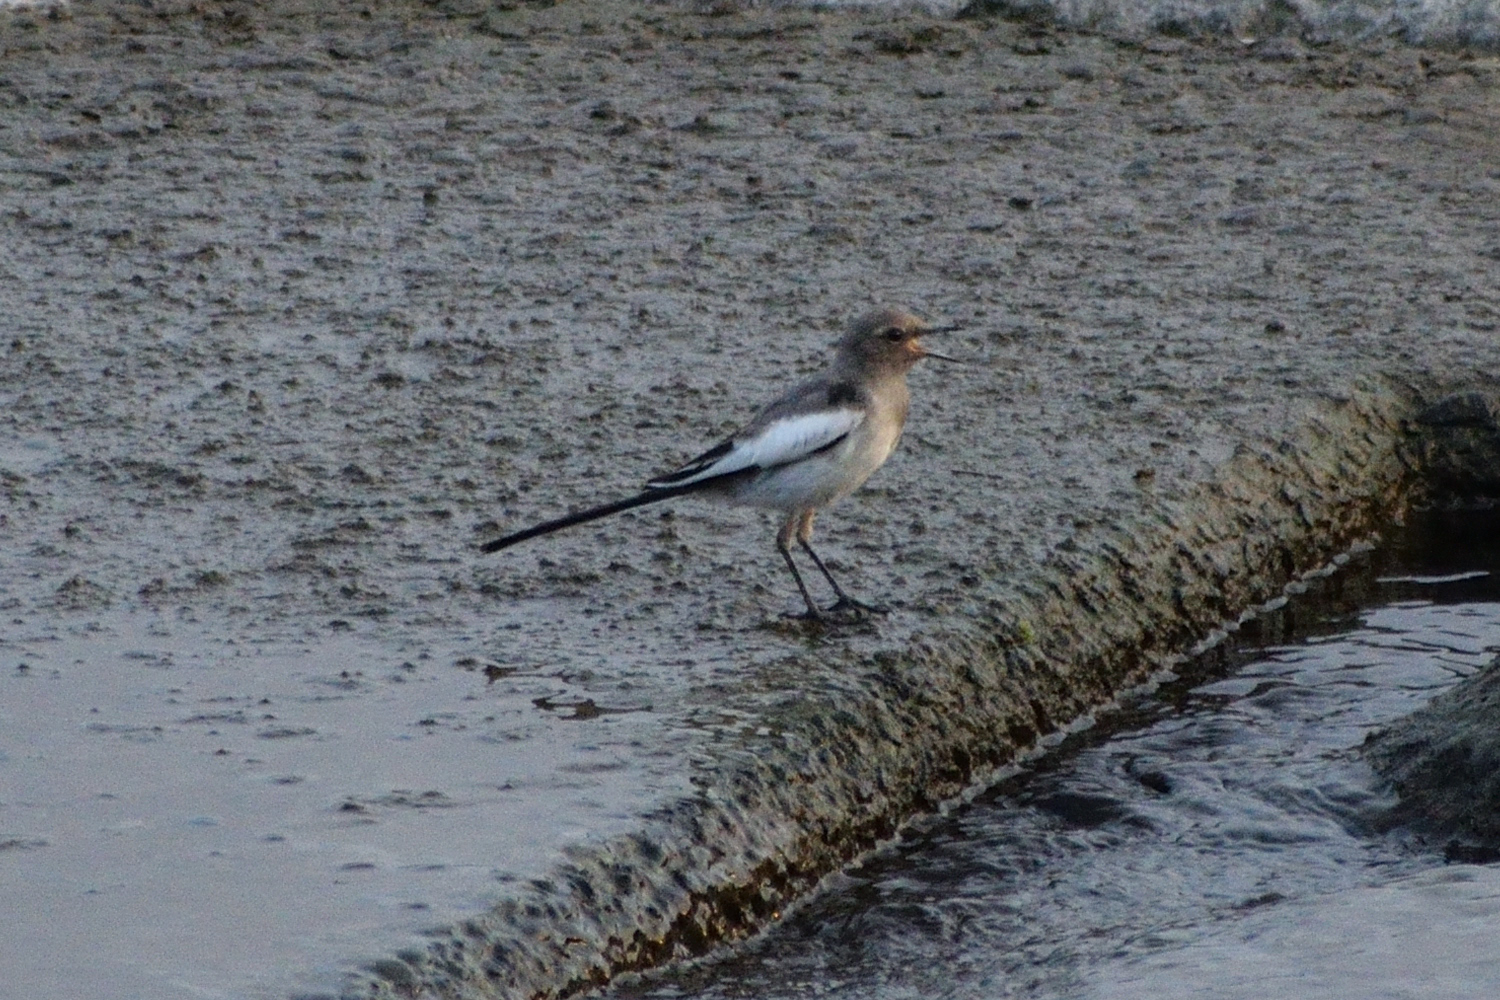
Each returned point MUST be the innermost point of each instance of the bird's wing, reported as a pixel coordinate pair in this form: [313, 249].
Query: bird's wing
[770, 442]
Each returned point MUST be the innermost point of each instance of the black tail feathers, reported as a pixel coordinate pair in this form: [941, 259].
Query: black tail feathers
[581, 517]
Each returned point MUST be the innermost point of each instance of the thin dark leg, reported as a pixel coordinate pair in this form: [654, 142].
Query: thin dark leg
[812, 609]
[845, 602]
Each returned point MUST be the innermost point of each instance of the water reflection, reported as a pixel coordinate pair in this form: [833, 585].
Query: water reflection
[1213, 840]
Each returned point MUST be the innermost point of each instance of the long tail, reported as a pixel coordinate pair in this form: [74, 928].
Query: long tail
[584, 516]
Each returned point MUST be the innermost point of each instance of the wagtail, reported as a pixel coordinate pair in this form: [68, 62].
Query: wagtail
[816, 444]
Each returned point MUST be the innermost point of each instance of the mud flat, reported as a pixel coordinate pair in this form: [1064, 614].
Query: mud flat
[301, 304]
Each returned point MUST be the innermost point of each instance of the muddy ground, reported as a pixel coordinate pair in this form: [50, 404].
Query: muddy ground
[300, 304]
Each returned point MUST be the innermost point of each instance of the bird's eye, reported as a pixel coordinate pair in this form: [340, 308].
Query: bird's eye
[894, 334]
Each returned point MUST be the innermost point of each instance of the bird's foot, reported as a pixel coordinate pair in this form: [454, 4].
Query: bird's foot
[845, 611]
[848, 607]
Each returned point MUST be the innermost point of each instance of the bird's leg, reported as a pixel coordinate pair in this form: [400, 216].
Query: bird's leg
[844, 602]
[783, 545]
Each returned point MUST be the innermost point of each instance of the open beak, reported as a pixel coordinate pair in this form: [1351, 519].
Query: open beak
[927, 353]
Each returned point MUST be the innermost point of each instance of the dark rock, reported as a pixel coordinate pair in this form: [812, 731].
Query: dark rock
[1444, 762]
[1465, 409]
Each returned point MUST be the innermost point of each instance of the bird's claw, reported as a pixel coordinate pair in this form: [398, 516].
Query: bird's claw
[846, 610]
[848, 607]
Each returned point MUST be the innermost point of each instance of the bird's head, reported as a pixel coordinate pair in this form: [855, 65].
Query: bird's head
[891, 340]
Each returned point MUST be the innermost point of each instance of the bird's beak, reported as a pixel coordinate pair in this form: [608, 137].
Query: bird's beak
[926, 353]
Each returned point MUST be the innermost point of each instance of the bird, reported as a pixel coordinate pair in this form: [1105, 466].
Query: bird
[813, 445]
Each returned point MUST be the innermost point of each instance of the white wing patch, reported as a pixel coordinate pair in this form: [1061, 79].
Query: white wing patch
[781, 442]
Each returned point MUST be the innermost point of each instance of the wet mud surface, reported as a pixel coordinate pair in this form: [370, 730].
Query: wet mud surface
[301, 305]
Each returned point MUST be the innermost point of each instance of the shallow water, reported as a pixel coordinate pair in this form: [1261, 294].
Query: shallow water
[1215, 838]
[1422, 22]
[185, 816]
